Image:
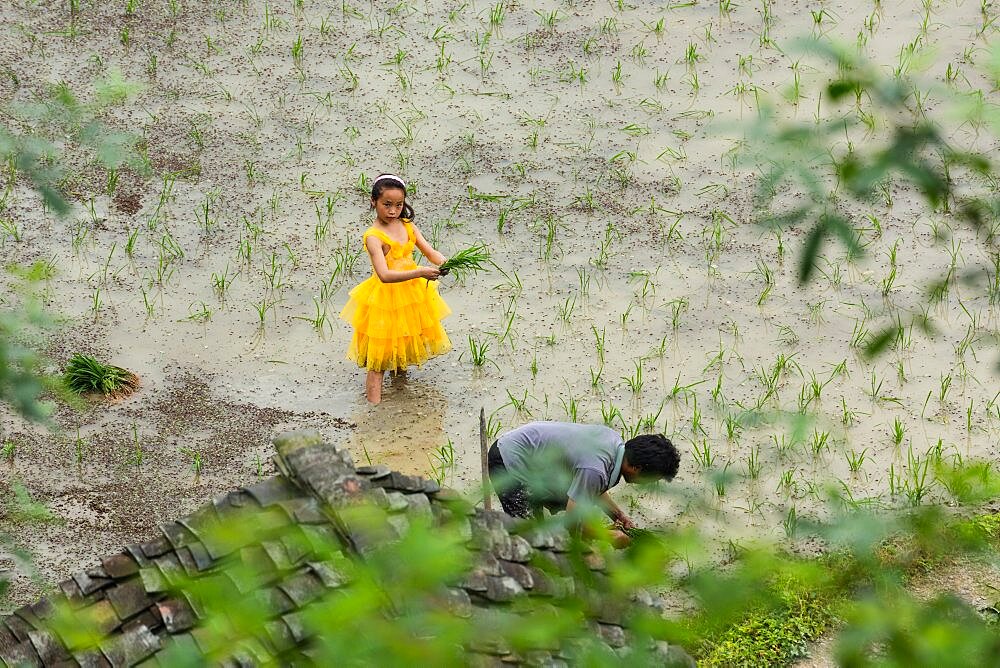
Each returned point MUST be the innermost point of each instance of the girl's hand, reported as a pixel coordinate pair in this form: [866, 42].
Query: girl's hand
[623, 521]
[430, 273]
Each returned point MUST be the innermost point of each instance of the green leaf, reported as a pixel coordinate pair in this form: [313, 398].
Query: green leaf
[842, 88]
[114, 88]
[877, 343]
[811, 251]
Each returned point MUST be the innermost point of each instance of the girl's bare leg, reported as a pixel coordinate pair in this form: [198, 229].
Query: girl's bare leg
[373, 386]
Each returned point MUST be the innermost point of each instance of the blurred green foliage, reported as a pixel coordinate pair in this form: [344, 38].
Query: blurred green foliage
[36, 134]
[21, 379]
[839, 179]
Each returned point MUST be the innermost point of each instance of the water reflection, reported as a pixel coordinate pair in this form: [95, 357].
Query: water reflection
[404, 431]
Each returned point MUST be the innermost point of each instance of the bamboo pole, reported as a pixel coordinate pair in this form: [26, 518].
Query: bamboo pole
[487, 494]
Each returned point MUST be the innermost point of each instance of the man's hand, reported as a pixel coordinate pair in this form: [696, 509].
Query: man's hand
[622, 520]
[620, 539]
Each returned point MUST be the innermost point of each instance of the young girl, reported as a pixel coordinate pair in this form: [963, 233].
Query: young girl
[396, 315]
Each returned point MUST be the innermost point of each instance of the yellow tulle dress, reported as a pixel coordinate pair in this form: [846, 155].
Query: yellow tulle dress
[396, 325]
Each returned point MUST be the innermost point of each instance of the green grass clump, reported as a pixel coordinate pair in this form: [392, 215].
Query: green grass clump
[85, 374]
[773, 637]
[468, 261]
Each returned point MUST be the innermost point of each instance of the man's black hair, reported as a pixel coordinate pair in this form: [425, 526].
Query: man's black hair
[654, 455]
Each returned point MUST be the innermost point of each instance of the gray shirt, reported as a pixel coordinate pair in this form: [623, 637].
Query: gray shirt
[557, 461]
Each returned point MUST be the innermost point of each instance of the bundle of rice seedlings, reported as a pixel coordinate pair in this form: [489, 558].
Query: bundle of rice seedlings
[85, 374]
[468, 261]
[641, 535]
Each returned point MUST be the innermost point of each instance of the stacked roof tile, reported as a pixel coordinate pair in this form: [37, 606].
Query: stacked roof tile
[302, 543]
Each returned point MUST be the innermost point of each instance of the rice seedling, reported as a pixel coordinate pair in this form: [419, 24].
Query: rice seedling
[319, 319]
[274, 273]
[691, 55]
[703, 455]
[944, 386]
[261, 308]
[519, 404]
[634, 381]
[693, 81]
[84, 374]
[497, 14]
[696, 419]
[467, 261]
[493, 426]
[786, 482]
[677, 307]
[79, 448]
[768, 277]
[679, 389]
[197, 462]
[549, 18]
[566, 309]
[790, 523]
[478, 353]
[816, 316]
[221, 282]
[897, 431]
[649, 420]
[856, 460]
[570, 407]
[717, 360]
[81, 231]
[753, 463]
[820, 442]
[915, 485]
[96, 303]
[10, 230]
[816, 387]
[136, 446]
[442, 462]
[146, 302]
[716, 392]
[599, 341]
[888, 281]
[720, 477]
[733, 426]
[199, 312]
[610, 414]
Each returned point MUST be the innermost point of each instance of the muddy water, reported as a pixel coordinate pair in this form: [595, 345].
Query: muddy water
[532, 138]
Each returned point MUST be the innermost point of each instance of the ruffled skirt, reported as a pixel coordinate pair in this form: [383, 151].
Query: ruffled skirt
[396, 325]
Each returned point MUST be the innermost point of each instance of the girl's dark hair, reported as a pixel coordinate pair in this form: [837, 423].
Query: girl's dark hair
[384, 184]
[654, 454]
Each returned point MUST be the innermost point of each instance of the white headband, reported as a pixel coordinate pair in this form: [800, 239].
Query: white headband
[388, 176]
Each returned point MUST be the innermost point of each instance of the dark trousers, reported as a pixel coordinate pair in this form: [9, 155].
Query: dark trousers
[514, 497]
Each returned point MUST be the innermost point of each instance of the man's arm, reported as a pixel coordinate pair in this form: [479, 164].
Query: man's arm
[619, 538]
[615, 512]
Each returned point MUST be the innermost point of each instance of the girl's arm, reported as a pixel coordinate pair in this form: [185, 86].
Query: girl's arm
[432, 255]
[374, 246]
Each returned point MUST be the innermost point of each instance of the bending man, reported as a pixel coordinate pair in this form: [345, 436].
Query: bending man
[559, 465]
